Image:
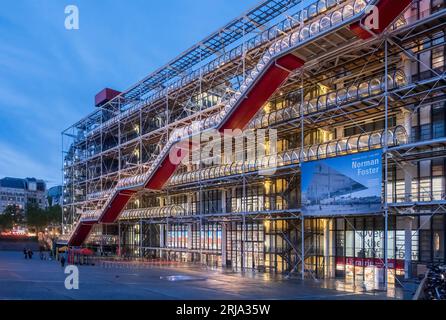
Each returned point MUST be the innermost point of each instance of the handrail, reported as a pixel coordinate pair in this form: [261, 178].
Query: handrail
[153, 212]
[334, 148]
[367, 88]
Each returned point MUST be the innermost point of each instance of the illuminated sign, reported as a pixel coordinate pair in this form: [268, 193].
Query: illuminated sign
[343, 185]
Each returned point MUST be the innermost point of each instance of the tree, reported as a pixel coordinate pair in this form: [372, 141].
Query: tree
[36, 217]
[50, 201]
[7, 218]
[54, 214]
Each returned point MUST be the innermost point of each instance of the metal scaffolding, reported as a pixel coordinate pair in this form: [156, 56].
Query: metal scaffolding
[330, 107]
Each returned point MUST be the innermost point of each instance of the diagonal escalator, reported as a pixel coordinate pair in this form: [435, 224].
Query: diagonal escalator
[271, 71]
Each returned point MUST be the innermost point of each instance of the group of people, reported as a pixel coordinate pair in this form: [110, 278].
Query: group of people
[44, 254]
[28, 253]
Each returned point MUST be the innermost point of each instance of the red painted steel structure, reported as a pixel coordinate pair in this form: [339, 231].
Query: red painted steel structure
[244, 111]
[81, 233]
[242, 114]
[167, 168]
[116, 206]
[105, 96]
[386, 11]
[264, 88]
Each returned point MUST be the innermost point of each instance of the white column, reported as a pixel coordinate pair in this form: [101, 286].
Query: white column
[223, 201]
[407, 246]
[339, 132]
[189, 242]
[223, 244]
[234, 204]
[162, 243]
[407, 67]
[409, 174]
[327, 247]
[406, 121]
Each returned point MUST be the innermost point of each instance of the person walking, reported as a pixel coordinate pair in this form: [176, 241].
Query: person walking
[30, 254]
[25, 252]
[62, 260]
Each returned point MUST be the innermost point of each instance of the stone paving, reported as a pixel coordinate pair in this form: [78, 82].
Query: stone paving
[22, 279]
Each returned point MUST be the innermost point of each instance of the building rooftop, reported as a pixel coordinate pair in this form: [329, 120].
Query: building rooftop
[14, 183]
[18, 183]
[55, 191]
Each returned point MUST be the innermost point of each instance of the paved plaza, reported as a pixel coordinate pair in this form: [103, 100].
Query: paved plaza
[22, 279]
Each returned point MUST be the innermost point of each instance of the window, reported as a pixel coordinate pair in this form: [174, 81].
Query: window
[438, 58]
[177, 236]
[252, 248]
[369, 127]
[437, 5]
[438, 237]
[438, 118]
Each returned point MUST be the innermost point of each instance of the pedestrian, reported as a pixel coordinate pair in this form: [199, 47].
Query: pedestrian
[25, 252]
[41, 253]
[62, 260]
[30, 254]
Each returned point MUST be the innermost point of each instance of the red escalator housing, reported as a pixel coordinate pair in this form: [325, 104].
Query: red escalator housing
[167, 168]
[81, 234]
[116, 206]
[388, 11]
[262, 91]
[246, 110]
[110, 215]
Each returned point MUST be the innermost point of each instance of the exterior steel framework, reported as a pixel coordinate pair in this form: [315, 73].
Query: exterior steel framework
[359, 90]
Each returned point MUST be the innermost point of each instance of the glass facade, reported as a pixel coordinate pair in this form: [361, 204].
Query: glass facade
[245, 246]
[237, 215]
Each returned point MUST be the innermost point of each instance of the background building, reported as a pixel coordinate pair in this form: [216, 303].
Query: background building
[344, 91]
[55, 196]
[18, 192]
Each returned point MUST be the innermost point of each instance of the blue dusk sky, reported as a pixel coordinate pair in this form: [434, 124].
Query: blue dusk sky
[49, 75]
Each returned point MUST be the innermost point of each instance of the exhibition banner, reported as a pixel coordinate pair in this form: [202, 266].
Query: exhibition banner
[343, 185]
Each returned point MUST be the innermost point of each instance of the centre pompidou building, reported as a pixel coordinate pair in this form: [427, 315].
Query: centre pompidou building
[334, 78]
